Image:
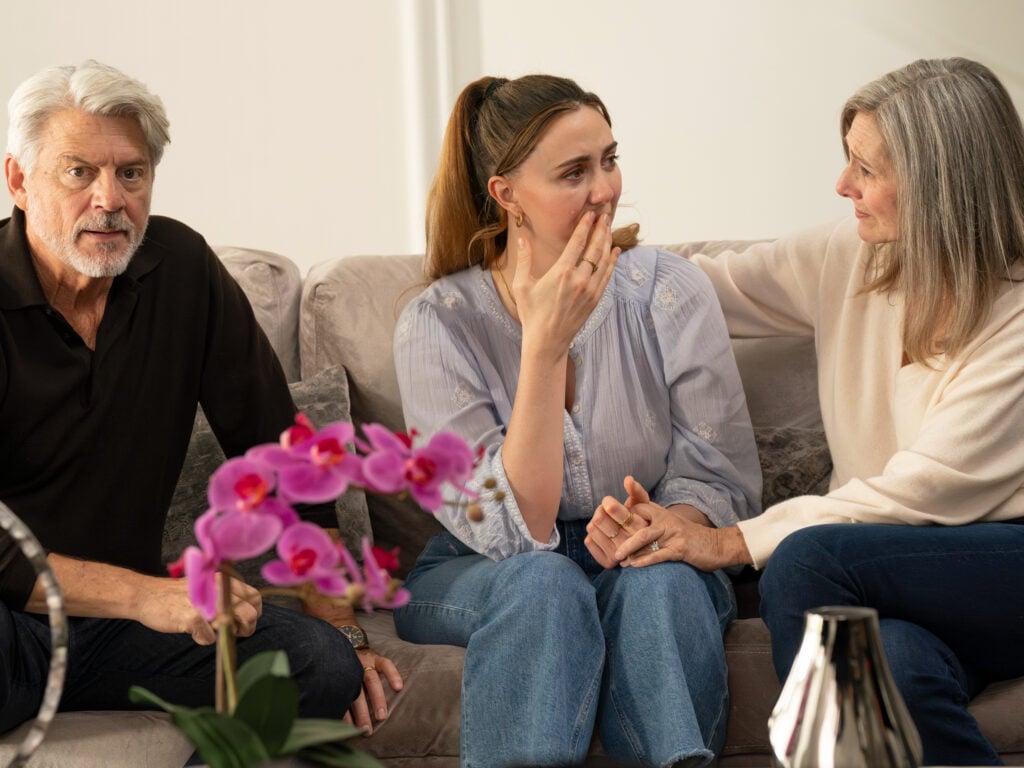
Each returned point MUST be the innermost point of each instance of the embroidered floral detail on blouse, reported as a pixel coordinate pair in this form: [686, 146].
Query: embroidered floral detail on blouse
[461, 396]
[596, 317]
[402, 329]
[665, 298]
[705, 432]
[649, 421]
[638, 275]
[451, 300]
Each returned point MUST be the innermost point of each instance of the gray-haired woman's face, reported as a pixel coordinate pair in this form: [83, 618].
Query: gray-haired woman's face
[869, 181]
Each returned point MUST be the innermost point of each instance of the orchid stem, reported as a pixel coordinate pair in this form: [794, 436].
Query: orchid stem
[226, 690]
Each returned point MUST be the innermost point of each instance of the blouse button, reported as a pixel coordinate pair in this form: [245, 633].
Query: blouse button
[576, 408]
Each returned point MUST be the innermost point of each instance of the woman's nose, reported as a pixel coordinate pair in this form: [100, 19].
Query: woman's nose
[844, 188]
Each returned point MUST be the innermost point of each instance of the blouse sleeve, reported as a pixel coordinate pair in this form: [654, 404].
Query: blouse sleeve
[447, 383]
[712, 463]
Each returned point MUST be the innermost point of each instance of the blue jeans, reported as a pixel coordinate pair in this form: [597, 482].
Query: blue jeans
[556, 644]
[951, 613]
[108, 656]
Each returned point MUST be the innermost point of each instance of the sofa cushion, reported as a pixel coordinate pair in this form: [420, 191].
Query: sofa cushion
[273, 285]
[323, 398]
[349, 310]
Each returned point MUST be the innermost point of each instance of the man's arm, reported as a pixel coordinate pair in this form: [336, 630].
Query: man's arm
[106, 591]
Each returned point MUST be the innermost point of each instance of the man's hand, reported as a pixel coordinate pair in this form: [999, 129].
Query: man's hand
[165, 607]
[104, 591]
[372, 697]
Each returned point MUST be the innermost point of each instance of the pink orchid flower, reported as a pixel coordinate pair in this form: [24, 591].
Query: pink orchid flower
[244, 519]
[377, 588]
[394, 465]
[307, 554]
[312, 467]
[200, 565]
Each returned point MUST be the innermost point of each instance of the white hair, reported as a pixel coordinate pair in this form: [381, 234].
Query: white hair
[95, 88]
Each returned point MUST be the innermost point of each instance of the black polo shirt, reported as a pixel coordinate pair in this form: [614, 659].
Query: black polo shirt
[92, 442]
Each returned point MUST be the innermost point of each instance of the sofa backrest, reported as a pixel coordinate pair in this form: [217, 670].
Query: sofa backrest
[273, 284]
[350, 307]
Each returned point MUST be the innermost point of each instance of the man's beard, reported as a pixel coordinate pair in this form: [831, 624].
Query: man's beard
[113, 258]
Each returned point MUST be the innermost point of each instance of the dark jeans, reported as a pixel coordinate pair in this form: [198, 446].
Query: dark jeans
[108, 656]
[950, 605]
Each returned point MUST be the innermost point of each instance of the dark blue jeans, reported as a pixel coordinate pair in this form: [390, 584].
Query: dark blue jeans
[951, 611]
[108, 656]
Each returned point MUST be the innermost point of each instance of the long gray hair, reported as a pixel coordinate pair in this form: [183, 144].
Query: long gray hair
[95, 88]
[957, 146]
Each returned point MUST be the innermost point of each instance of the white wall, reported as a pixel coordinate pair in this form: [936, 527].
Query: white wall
[312, 128]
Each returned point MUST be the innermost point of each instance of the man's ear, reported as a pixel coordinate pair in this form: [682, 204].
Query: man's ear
[15, 175]
[504, 194]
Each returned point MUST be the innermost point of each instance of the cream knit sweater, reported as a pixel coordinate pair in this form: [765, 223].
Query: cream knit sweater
[910, 445]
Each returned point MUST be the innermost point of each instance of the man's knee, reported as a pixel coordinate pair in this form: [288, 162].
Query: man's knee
[322, 662]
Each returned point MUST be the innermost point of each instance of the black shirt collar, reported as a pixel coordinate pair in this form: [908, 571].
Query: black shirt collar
[19, 284]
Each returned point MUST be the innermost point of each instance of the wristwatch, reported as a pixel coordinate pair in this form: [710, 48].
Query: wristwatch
[355, 635]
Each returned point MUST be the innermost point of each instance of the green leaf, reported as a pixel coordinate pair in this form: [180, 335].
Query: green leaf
[139, 695]
[222, 741]
[273, 663]
[311, 731]
[269, 706]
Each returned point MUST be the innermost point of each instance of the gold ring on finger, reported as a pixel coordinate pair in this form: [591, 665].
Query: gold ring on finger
[593, 265]
[370, 668]
[628, 520]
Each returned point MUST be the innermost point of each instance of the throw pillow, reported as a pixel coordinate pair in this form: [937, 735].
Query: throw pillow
[324, 398]
[795, 461]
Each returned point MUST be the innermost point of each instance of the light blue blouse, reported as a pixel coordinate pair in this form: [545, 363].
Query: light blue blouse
[658, 396]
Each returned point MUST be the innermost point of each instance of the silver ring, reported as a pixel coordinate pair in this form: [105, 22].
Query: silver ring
[655, 546]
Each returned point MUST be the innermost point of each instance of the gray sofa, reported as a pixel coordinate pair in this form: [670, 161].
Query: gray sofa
[332, 330]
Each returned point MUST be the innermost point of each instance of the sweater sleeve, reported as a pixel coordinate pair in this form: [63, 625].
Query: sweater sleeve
[773, 289]
[447, 383]
[964, 464]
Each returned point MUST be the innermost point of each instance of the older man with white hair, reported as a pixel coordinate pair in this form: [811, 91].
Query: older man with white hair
[114, 326]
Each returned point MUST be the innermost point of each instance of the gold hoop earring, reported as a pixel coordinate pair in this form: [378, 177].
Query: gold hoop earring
[519, 219]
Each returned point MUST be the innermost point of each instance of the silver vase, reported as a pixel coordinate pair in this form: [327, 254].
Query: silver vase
[839, 707]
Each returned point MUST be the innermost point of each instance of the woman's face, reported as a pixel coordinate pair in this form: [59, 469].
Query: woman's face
[869, 180]
[572, 170]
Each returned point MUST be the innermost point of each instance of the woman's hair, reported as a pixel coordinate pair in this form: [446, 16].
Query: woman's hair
[95, 88]
[493, 128]
[957, 147]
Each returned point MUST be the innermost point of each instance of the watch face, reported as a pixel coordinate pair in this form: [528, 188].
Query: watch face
[355, 635]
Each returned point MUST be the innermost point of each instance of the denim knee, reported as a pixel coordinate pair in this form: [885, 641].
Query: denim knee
[531, 575]
[919, 661]
[322, 661]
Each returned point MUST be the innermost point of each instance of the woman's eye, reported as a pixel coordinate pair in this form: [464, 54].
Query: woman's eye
[611, 161]
[574, 174]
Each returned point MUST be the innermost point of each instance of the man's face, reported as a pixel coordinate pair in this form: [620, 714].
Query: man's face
[86, 199]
